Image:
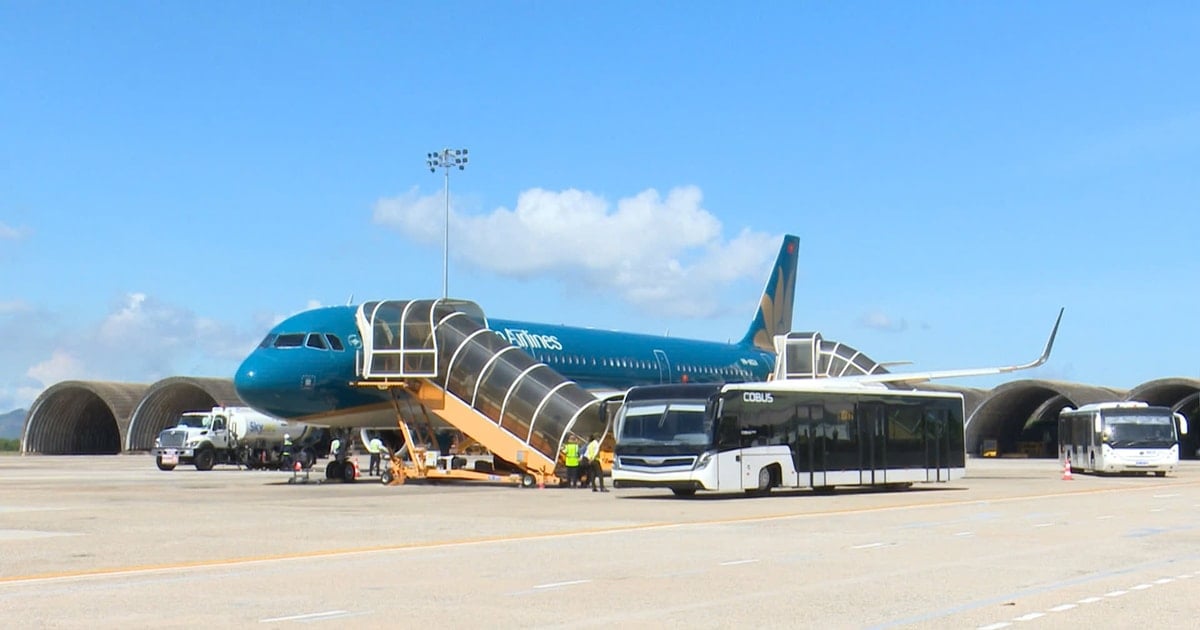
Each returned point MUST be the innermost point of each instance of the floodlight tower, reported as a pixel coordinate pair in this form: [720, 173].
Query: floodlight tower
[446, 159]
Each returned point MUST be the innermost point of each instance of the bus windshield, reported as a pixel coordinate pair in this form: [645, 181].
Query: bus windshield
[681, 425]
[1136, 430]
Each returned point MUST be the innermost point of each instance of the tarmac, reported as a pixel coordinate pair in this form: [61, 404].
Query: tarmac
[107, 542]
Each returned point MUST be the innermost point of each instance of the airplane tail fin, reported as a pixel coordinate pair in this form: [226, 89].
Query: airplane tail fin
[774, 316]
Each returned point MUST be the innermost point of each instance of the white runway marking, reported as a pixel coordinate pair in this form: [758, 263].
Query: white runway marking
[729, 563]
[29, 534]
[320, 615]
[1030, 616]
[558, 584]
[869, 545]
[1089, 600]
[1164, 580]
[964, 534]
[1166, 496]
[1063, 608]
[1115, 593]
[996, 626]
[1104, 518]
[1044, 525]
[1141, 587]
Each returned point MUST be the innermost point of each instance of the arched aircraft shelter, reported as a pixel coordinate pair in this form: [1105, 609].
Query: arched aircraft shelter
[80, 418]
[165, 400]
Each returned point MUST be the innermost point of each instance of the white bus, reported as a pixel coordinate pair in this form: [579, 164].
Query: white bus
[786, 434]
[1115, 437]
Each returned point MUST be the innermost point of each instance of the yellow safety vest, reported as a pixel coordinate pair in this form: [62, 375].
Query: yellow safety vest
[571, 454]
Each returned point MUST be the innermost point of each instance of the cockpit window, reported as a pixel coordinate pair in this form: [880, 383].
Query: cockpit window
[266, 342]
[315, 340]
[334, 342]
[290, 340]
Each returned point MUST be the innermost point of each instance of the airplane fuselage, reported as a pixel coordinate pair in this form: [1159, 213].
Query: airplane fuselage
[299, 373]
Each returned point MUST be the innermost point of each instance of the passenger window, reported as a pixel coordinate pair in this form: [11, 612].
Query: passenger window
[334, 342]
[290, 340]
[315, 340]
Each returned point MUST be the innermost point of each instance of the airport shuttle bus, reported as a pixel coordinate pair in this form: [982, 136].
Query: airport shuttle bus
[786, 434]
[1117, 437]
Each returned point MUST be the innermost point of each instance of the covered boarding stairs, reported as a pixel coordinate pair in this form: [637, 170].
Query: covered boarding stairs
[808, 355]
[474, 380]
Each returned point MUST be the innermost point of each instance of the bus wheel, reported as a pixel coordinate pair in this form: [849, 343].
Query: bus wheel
[684, 492]
[764, 480]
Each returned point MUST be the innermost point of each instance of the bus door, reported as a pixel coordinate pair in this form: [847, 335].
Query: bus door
[937, 446]
[808, 446]
[729, 452]
[871, 443]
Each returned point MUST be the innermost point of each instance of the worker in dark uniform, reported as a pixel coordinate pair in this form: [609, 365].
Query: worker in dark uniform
[596, 473]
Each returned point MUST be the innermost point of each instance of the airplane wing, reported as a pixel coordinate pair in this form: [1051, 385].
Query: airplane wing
[920, 377]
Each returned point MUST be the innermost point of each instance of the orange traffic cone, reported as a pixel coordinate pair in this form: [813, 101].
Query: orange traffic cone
[1067, 470]
[296, 466]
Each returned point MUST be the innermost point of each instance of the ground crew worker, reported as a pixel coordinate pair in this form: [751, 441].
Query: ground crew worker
[571, 459]
[286, 455]
[593, 455]
[375, 448]
[334, 447]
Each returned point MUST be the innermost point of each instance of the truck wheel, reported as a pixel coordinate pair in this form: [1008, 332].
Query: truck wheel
[528, 481]
[684, 492]
[205, 458]
[162, 466]
[348, 473]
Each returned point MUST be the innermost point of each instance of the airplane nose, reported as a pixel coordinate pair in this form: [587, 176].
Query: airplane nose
[254, 381]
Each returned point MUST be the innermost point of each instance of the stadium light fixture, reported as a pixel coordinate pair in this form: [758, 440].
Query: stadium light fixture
[446, 159]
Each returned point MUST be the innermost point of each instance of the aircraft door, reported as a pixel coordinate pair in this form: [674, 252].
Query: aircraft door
[664, 366]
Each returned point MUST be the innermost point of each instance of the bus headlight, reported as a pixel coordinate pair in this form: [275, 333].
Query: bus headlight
[703, 460]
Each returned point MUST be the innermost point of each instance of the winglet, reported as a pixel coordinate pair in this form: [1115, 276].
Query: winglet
[1049, 345]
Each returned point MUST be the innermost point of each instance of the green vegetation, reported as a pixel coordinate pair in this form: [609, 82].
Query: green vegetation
[10, 445]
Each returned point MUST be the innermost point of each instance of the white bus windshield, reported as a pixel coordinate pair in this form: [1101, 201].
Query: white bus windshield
[1139, 430]
[673, 424]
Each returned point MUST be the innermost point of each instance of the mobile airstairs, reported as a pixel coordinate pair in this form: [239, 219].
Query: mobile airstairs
[440, 354]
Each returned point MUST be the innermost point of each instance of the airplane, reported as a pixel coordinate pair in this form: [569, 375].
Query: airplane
[306, 367]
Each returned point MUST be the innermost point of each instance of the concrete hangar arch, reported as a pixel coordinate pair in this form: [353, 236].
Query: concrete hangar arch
[164, 401]
[81, 418]
[106, 418]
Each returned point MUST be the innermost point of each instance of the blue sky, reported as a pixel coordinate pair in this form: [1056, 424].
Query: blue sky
[175, 177]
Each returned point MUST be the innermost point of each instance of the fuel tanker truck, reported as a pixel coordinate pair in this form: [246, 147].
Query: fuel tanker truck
[234, 435]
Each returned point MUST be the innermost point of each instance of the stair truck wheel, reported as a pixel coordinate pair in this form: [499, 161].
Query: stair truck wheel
[528, 481]
[161, 465]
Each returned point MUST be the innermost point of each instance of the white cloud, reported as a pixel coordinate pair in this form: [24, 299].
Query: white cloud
[141, 339]
[9, 233]
[61, 366]
[664, 254]
[879, 320]
[14, 306]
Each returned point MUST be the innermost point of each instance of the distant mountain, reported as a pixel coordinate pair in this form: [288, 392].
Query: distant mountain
[11, 424]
